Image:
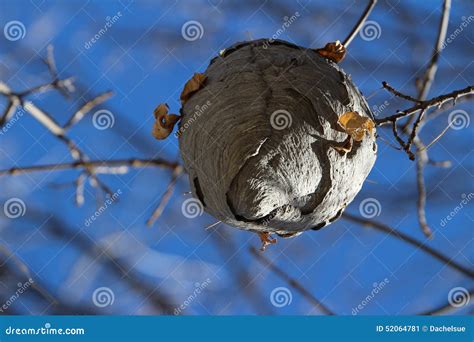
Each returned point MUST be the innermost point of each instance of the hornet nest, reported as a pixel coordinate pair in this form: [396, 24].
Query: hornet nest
[275, 137]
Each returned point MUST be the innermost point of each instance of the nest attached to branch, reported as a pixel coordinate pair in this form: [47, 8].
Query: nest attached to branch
[275, 138]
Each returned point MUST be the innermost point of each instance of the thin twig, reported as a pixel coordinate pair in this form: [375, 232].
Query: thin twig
[430, 72]
[11, 107]
[433, 65]
[435, 101]
[166, 196]
[80, 164]
[23, 268]
[87, 107]
[248, 284]
[48, 121]
[421, 153]
[439, 136]
[399, 94]
[440, 163]
[60, 85]
[411, 241]
[420, 181]
[445, 308]
[360, 23]
[405, 147]
[50, 62]
[212, 225]
[414, 132]
[291, 281]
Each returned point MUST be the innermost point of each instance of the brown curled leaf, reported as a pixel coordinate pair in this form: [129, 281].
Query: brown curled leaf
[193, 85]
[164, 122]
[356, 125]
[266, 240]
[334, 51]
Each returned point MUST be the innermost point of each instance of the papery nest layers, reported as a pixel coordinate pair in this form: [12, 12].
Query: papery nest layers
[276, 138]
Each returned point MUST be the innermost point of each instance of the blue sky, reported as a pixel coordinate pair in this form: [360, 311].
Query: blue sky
[145, 60]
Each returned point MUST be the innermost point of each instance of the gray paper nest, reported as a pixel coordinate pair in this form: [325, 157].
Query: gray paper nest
[257, 139]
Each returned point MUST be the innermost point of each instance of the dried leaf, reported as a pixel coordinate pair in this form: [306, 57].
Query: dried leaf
[164, 122]
[193, 85]
[356, 125]
[266, 240]
[334, 51]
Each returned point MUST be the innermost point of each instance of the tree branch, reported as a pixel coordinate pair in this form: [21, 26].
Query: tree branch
[360, 23]
[92, 164]
[433, 65]
[411, 241]
[444, 309]
[424, 105]
[166, 196]
[291, 281]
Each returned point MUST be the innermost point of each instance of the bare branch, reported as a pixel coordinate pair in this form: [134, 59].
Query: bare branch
[439, 136]
[166, 196]
[291, 281]
[87, 107]
[9, 110]
[445, 308]
[25, 271]
[60, 85]
[80, 189]
[399, 94]
[80, 164]
[45, 119]
[440, 163]
[433, 65]
[51, 63]
[242, 275]
[413, 134]
[420, 181]
[435, 101]
[405, 147]
[360, 23]
[411, 241]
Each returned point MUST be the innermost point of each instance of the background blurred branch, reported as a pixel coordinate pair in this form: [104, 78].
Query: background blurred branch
[290, 281]
[412, 241]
